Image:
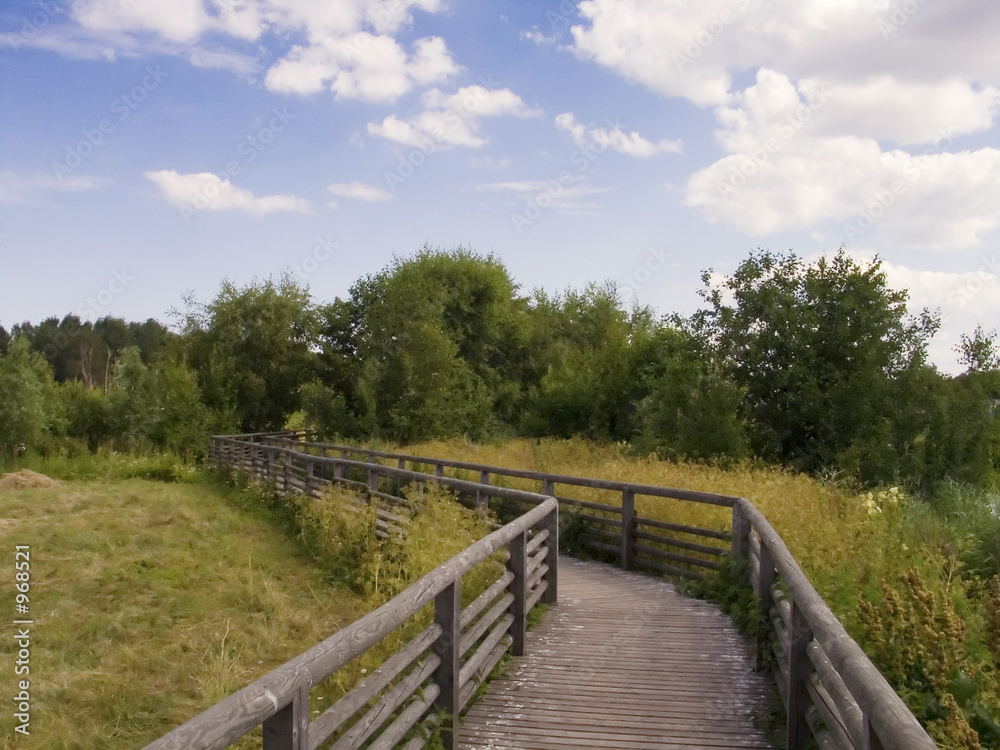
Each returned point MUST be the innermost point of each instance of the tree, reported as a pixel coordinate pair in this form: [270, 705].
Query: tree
[4, 341]
[690, 409]
[29, 410]
[440, 339]
[253, 349]
[588, 353]
[980, 352]
[816, 349]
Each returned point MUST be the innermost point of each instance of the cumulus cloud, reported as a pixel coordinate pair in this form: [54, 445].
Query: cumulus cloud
[349, 46]
[566, 196]
[450, 120]
[204, 191]
[360, 191]
[784, 171]
[614, 138]
[361, 66]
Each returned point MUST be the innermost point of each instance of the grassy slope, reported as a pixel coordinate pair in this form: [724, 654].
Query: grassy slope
[151, 602]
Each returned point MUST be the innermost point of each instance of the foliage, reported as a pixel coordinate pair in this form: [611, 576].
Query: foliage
[252, 349]
[29, 409]
[815, 348]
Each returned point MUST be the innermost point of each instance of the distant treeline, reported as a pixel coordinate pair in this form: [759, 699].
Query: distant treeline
[816, 366]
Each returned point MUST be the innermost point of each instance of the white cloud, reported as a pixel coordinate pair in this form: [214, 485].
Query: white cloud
[206, 191]
[360, 191]
[965, 299]
[450, 120]
[361, 66]
[349, 45]
[536, 36]
[782, 172]
[614, 138]
[691, 49]
[18, 188]
[565, 197]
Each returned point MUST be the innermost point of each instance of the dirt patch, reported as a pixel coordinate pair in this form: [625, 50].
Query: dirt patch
[26, 479]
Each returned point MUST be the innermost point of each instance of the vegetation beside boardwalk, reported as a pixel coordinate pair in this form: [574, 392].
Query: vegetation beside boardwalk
[154, 600]
[914, 581]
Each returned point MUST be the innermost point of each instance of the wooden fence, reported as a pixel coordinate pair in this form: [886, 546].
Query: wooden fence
[832, 691]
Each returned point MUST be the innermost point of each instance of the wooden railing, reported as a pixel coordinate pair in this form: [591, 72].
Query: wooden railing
[426, 684]
[633, 540]
[832, 691]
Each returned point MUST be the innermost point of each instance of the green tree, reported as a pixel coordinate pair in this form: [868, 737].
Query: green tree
[29, 406]
[439, 339]
[4, 340]
[253, 348]
[588, 353]
[690, 409]
[817, 349]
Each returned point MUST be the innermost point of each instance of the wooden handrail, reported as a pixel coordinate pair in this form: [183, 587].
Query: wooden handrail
[820, 667]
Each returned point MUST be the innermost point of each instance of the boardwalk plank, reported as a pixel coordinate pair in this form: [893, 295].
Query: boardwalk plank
[623, 661]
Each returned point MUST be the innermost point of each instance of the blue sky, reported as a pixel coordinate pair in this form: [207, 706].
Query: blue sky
[150, 148]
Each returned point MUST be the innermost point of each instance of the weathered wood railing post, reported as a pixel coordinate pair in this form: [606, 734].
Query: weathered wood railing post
[483, 498]
[372, 484]
[548, 487]
[310, 471]
[741, 532]
[798, 671]
[289, 728]
[869, 739]
[762, 587]
[628, 528]
[286, 473]
[338, 474]
[518, 565]
[551, 525]
[401, 465]
[447, 614]
[439, 470]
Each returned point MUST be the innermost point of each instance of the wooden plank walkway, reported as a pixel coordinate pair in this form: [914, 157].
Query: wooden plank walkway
[623, 661]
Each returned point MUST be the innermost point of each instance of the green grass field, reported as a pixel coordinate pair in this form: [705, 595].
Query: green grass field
[151, 601]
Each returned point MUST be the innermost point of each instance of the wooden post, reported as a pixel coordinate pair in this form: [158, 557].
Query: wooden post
[518, 565]
[439, 470]
[372, 484]
[447, 614]
[869, 740]
[401, 464]
[741, 532]
[551, 525]
[628, 528]
[763, 584]
[310, 469]
[345, 454]
[289, 728]
[798, 671]
[548, 487]
[285, 484]
[483, 498]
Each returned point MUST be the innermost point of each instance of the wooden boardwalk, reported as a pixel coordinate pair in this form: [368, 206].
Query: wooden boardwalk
[623, 661]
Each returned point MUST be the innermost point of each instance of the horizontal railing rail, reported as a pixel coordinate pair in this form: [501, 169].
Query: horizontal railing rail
[427, 682]
[831, 689]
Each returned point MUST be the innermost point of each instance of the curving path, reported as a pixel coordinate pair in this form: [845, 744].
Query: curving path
[623, 661]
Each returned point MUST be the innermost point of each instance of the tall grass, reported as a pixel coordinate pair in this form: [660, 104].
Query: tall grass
[863, 551]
